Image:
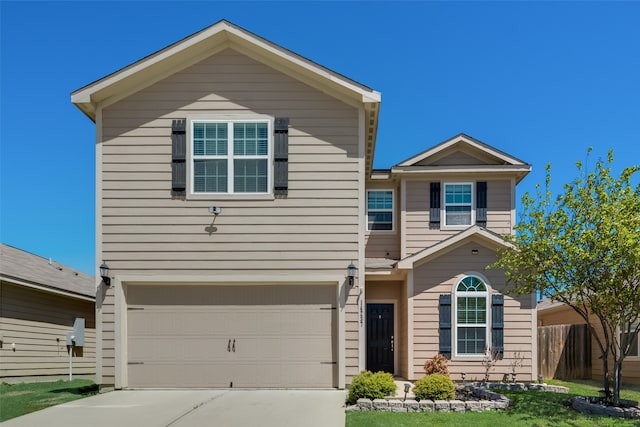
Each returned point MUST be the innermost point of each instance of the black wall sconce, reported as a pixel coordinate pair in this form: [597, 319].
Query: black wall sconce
[104, 273]
[351, 273]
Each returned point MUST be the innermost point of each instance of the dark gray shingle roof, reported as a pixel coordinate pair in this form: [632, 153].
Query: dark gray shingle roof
[22, 266]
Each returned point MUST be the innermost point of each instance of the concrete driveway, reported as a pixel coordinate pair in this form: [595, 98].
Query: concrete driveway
[182, 408]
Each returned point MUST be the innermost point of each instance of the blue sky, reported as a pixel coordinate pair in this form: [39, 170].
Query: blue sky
[540, 80]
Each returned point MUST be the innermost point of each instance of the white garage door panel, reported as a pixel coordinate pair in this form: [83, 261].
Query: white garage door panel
[223, 336]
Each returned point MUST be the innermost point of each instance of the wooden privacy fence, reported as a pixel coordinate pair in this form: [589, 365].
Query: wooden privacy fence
[564, 352]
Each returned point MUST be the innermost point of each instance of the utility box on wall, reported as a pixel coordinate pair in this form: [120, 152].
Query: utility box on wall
[76, 337]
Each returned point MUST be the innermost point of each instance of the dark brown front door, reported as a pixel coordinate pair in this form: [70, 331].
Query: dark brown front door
[380, 337]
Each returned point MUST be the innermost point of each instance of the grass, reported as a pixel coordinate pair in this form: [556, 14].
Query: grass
[528, 408]
[21, 399]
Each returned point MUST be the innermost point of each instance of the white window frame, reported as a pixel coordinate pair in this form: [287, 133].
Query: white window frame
[443, 213]
[393, 210]
[486, 325]
[230, 120]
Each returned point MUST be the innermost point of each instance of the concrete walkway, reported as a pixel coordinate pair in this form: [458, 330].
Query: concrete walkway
[183, 408]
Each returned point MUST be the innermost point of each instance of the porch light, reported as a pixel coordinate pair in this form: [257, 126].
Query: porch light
[104, 273]
[351, 273]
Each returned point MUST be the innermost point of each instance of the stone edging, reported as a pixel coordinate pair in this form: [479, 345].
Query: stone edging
[582, 404]
[488, 400]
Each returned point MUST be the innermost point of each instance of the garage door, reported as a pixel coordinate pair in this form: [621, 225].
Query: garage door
[231, 336]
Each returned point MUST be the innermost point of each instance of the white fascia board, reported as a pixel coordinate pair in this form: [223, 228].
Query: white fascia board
[474, 231]
[461, 169]
[47, 289]
[461, 138]
[204, 44]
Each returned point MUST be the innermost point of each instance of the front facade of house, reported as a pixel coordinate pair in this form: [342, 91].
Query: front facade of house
[235, 187]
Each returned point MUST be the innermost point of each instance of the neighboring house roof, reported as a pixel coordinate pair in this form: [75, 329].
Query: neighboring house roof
[216, 38]
[472, 233]
[26, 269]
[483, 158]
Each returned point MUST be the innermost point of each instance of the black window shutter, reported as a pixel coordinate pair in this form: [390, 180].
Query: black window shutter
[497, 324]
[281, 156]
[434, 207]
[178, 157]
[445, 325]
[481, 203]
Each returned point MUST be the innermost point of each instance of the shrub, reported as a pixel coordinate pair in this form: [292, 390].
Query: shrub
[434, 386]
[371, 386]
[437, 365]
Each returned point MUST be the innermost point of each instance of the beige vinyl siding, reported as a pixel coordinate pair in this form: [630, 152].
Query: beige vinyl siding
[312, 231]
[418, 234]
[439, 276]
[499, 206]
[382, 243]
[38, 322]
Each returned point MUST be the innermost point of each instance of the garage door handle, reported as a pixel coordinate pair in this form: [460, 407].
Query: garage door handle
[229, 345]
[234, 346]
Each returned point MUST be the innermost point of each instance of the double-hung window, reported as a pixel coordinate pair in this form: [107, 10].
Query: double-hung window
[471, 316]
[380, 210]
[458, 204]
[230, 156]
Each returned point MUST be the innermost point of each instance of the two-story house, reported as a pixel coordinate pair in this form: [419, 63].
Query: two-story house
[235, 195]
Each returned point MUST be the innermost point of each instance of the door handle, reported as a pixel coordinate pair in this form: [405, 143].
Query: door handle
[391, 342]
[234, 346]
[229, 345]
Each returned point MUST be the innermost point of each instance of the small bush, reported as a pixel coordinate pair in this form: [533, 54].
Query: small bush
[437, 365]
[434, 386]
[371, 386]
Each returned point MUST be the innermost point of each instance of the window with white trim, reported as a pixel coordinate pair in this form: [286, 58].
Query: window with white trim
[230, 156]
[635, 344]
[458, 204]
[380, 210]
[471, 323]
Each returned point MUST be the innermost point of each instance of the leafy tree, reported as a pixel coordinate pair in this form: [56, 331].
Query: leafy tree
[583, 249]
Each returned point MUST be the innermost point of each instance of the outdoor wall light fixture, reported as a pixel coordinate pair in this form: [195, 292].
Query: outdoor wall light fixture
[351, 273]
[104, 273]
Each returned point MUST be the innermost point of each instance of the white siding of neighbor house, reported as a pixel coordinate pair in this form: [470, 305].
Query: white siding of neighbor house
[310, 232]
[439, 276]
[37, 323]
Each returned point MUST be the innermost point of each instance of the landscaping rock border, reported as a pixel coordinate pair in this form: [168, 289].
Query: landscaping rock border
[488, 400]
[582, 404]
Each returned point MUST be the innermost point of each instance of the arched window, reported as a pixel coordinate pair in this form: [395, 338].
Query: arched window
[471, 295]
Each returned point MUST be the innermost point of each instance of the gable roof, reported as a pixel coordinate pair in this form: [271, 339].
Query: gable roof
[26, 269]
[472, 233]
[490, 159]
[213, 39]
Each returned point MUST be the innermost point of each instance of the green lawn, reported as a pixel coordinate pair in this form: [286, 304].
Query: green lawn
[532, 408]
[20, 399]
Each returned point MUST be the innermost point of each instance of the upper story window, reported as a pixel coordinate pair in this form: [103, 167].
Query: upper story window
[471, 316]
[458, 204]
[230, 156]
[380, 210]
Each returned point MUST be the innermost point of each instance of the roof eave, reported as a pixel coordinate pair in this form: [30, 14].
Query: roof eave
[454, 241]
[207, 42]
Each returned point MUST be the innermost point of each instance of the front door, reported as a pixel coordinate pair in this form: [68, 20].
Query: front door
[380, 337]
